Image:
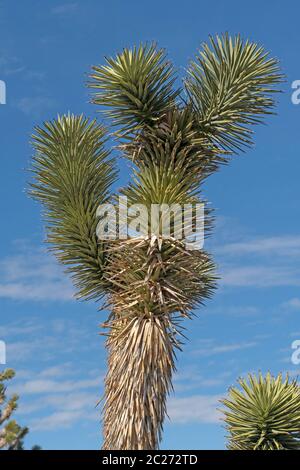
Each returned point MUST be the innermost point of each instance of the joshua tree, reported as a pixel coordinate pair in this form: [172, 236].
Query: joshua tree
[11, 434]
[175, 138]
[264, 414]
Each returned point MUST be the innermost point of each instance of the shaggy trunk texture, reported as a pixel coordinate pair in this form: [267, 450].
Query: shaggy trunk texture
[140, 366]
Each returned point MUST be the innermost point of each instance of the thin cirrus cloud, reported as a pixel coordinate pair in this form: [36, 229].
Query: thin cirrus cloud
[60, 420]
[192, 379]
[260, 276]
[215, 349]
[62, 403]
[46, 291]
[40, 385]
[48, 341]
[64, 8]
[35, 105]
[194, 409]
[283, 246]
[33, 276]
[11, 65]
[261, 262]
[292, 304]
[18, 329]
[62, 411]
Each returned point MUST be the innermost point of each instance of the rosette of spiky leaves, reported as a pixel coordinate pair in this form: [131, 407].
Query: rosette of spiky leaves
[158, 278]
[73, 174]
[174, 142]
[264, 414]
[231, 86]
[136, 86]
[11, 433]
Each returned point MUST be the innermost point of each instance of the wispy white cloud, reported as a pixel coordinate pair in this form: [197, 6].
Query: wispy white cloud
[57, 371]
[17, 329]
[260, 276]
[259, 262]
[24, 350]
[211, 349]
[234, 310]
[64, 410]
[292, 304]
[285, 245]
[43, 341]
[32, 275]
[11, 65]
[191, 378]
[26, 291]
[48, 343]
[194, 409]
[35, 105]
[41, 386]
[60, 420]
[53, 403]
[65, 8]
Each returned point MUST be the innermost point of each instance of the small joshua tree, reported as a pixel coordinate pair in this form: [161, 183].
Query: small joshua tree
[264, 414]
[176, 138]
[11, 434]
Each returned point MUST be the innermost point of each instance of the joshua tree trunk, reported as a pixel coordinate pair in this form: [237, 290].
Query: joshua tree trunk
[140, 366]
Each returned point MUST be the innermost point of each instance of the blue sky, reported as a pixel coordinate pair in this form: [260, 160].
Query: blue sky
[46, 50]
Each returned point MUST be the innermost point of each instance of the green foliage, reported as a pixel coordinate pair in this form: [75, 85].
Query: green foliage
[11, 434]
[230, 85]
[73, 175]
[264, 414]
[136, 86]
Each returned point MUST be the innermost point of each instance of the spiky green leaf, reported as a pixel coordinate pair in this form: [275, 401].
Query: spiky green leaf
[231, 85]
[136, 86]
[72, 176]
